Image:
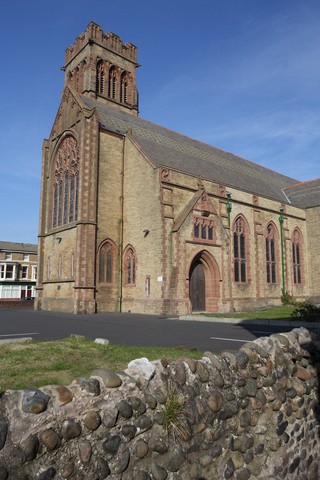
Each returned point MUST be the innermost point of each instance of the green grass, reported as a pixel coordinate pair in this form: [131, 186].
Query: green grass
[36, 364]
[276, 313]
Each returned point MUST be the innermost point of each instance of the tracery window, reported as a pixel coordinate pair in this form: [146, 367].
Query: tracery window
[66, 183]
[124, 88]
[100, 77]
[239, 251]
[271, 262]
[296, 257]
[112, 87]
[203, 229]
[129, 260]
[107, 262]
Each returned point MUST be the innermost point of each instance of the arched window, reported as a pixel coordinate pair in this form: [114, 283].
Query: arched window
[107, 262]
[124, 88]
[112, 90]
[271, 258]
[100, 77]
[66, 183]
[130, 264]
[239, 251]
[296, 256]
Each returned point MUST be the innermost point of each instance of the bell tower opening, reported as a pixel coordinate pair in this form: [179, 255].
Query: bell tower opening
[99, 65]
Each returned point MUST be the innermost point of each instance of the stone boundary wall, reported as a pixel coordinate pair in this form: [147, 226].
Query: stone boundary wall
[251, 414]
[16, 303]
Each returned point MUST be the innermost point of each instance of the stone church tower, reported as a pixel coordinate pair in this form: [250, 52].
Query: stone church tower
[136, 217]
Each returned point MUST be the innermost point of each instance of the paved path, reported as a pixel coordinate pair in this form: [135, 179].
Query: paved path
[134, 329]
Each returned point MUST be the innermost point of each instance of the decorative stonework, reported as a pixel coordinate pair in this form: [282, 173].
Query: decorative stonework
[251, 414]
[222, 190]
[165, 175]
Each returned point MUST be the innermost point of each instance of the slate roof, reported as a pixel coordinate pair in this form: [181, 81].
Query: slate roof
[18, 247]
[165, 147]
[305, 194]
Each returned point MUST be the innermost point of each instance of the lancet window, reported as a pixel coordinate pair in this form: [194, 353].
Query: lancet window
[296, 257]
[239, 251]
[130, 262]
[271, 259]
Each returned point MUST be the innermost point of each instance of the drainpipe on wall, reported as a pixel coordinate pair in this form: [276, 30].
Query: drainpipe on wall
[120, 275]
[282, 251]
[229, 207]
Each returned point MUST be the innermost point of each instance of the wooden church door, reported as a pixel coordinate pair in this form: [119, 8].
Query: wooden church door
[197, 287]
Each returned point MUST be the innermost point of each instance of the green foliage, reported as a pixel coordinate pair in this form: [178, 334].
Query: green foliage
[287, 299]
[174, 415]
[306, 311]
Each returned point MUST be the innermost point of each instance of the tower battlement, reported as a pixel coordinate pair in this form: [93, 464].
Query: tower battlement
[111, 41]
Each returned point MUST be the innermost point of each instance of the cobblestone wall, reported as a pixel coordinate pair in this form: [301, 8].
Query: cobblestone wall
[252, 414]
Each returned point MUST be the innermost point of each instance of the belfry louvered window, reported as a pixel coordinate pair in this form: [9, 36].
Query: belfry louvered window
[100, 77]
[65, 196]
[124, 88]
[112, 89]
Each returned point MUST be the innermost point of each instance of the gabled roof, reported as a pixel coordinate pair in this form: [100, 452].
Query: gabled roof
[165, 147]
[305, 194]
[18, 247]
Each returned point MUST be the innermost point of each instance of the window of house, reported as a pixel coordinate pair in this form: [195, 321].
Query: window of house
[100, 77]
[239, 251]
[66, 183]
[203, 229]
[107, 262]
[296, 257]
[25, 257]
[271, 264]
[8, 272]
[129, 266]
[24, 272]
[8, 256]
[34, 273]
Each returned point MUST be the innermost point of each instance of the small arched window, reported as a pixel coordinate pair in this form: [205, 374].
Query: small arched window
[65, 195]
[112, 90]
[100, 77]
[124, 88]
[271, 258]
[240, 251]
[296, 257]
[107, 262]
[130, 265]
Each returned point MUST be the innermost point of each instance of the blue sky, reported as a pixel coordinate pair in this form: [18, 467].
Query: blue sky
[242, 75]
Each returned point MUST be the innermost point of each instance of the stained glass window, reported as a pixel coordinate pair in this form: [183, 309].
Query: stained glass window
[65, 190]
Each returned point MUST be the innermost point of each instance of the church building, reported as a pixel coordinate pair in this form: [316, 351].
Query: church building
[136, 217]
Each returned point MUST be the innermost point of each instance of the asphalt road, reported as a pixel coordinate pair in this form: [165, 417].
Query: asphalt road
[131, 329]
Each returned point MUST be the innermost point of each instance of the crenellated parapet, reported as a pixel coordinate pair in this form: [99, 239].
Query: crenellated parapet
[111, 41]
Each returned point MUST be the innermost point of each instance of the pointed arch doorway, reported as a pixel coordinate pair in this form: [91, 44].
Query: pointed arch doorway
[197, 282]
[204, 278]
